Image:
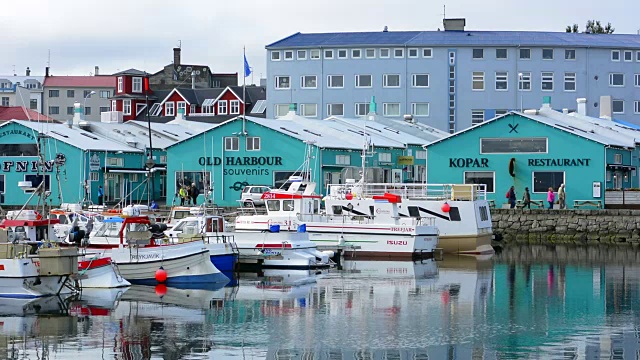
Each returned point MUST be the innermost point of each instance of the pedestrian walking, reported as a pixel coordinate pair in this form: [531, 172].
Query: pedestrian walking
[193, 193]
[551, 197]
[562, 197]
[100, 195]
[183, 195]
[526, 199]
[511, 195]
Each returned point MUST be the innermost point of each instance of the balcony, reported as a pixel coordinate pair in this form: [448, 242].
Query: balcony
[111, 117]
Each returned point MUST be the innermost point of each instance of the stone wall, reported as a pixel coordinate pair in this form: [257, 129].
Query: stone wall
[567, 226]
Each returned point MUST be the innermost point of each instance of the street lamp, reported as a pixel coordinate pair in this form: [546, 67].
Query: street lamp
[84, 105]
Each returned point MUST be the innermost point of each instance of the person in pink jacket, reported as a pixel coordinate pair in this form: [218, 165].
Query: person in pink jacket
[551, 197]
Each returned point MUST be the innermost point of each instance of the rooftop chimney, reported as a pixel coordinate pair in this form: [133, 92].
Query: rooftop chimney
[454, 24]
[582, 106]
[546, 102]
[176, 56]
[46, 72]
[193, 79]
[77, 113]
[373, 108]
[386, 29]
[97, 71]
[606, 107]
[28, 72]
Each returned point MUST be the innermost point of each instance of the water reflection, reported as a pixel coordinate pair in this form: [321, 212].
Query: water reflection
[535, 305]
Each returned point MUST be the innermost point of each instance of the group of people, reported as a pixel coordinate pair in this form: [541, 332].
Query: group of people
[188, 194]
[526, 198]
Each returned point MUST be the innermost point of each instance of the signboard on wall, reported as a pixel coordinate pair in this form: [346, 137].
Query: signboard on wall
[94, 162]
[597, 189]
[405, 160]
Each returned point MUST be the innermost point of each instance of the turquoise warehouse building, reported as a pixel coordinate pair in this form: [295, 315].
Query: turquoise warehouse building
[538, 149]
[257, 151]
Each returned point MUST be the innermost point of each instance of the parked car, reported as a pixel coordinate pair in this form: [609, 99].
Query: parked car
[252, 194]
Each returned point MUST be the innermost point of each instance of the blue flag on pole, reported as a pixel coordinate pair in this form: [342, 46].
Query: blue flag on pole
[247, 68]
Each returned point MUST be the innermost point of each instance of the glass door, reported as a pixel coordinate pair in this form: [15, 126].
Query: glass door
[113, 188]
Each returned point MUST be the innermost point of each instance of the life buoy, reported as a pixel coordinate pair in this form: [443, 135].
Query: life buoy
[512, 167]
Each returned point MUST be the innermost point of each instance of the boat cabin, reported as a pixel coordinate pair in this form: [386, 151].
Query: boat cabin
[29, 226]
[122, 231]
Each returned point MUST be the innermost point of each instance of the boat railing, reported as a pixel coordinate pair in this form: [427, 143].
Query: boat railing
[362, 219]
[252, 210]
[458, 192]
[208, 238]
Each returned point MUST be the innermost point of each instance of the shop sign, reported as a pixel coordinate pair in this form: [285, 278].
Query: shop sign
[94, 162]
[24, 133]
[559, 162]
[26, 166]
[405, 160]
[468, 162]
[241, 161]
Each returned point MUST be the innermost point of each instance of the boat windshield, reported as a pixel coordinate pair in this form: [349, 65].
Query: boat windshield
[186, 224]
[108, 229]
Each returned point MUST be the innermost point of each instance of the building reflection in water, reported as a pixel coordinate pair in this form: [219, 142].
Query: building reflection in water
[459, 308]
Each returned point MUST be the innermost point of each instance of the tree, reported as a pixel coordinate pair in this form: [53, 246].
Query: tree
[592, 27]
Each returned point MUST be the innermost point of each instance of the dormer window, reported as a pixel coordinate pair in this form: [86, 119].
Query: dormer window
[137, 85]
[120, 84]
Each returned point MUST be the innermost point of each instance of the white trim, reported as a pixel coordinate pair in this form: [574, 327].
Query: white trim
[120, 87]
[311, 51]
[413, 49]
[124, 107]
[173, 108]
[369, 57]
[575, 81]
[473, 55]
[329, 82]
[182, 104]
[617, 112]
[330, 113]
[324, 54]
[523, 81]
[231, 105]
[477, 111]
[624, 55]
[473, 79]
[506, 53]
[430, 51]
[413, 81]
[224, 140]
[346, 54]
[363, 87]
[385, 57]
[385, 80]
[275, 52]
[415, 105]
[175, 90]
[284, 55]
[141, 107]
[464, 178]
[276, 87]
[553, 55]
[298, 54]
[303, 108]
[614, 52]
[542, 81]
[356, 57]
[396, 56]
[636, 106]
[636, 80]
[575, 54]
[246, 144]
[302, 82]
[233, 92]
[611, 79]
[520, 54]
[386, 113]
[503, 78]
[226, 107]
[133, 83]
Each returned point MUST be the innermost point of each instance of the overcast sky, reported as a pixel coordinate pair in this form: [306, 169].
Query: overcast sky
[122, 34]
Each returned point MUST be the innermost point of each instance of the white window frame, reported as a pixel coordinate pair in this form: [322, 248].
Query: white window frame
[421, 154]
[133, 178]
[638, 56]
[231, 143]
[169, 105]
[473, 55]
[356, 111]
[255, 143]
[525, 78]
[357, 83]
[330, 109]
[636, 80]
[181, 105]
[617, 158]
[118, 161]
[343, 160]
[304, 107]
[568, 78]
[385, 109]
[222, 107]
[414, 79]
[520, 54]
[275, 55]
[298, 52]
[385, 81]
[388, 53]
[501, 76]
[476, 113]
[193, 108]
[533, 179]
[611, 78]
[279, 107]
[328, 54]
[615, 52]
[417, 55]
[126, 107]
[136, 84]
[612, 107]
[568, 51]
[342, 51]
[163, 159]
[414, 107]
[477, 76]
[303, 82]
[384, 157]
[506, 54]
[367, 51]
[289, 57]
[330, 82]
[94, 176]
[208, 109]
[547, 78]
[636, 106]
[356, 56]
[493, 173]
[277, 83]
[552, 54]
[234, 107]
[624, 57]
[315, 54]
[395, 53]
[430, 50]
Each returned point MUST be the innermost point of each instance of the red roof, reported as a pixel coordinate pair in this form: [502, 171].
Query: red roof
[21, 113]
[80, 81]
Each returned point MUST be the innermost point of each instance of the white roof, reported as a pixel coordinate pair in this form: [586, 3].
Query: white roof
[193, 125]
[325, 133]
[21, 79]
[402, 132]
[76, 137]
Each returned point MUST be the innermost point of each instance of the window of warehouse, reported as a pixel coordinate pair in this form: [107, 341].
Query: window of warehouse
[513, 145]
[188, 178]
[543, 180]
[486, 178]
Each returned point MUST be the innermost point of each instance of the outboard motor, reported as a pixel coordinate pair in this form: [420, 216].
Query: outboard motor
[157, 230]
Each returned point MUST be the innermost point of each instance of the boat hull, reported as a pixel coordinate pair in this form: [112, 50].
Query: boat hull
[186, 264]
[222, 255]
[19, 279]
[281, 250]
[379, 245]
[100, 274]
[468, 245]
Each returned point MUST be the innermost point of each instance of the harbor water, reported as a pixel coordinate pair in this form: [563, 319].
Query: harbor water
[543, 307]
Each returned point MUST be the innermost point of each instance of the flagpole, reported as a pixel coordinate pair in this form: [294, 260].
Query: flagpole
[244, 89]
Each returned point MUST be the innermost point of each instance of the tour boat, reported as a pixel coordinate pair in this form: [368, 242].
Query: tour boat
[278, 249]
[30, 265]
[460, 211]
[70, 215]
[378, 232]
[127, 240]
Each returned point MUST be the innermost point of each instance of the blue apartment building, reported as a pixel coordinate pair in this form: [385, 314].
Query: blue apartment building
[452, 79]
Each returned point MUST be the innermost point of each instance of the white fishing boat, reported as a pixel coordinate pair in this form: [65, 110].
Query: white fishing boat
[143, 260]
[275, 248]
[71, 215]
[380, 232]
[461, 211]
[99, 272]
